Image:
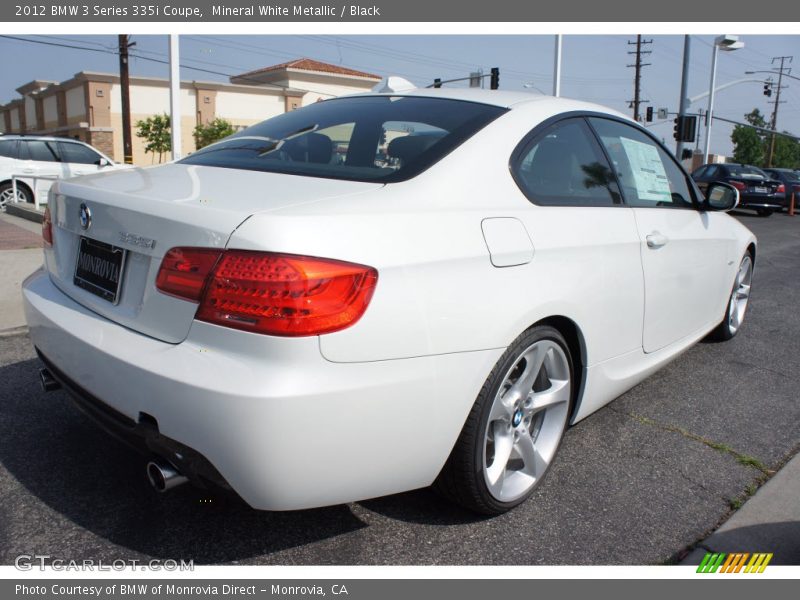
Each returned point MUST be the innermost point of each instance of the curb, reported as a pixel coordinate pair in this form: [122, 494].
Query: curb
[28, 214]
[14, 331]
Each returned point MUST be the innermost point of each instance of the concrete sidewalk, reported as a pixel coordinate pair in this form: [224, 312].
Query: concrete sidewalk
[767, 522]
[20, 255]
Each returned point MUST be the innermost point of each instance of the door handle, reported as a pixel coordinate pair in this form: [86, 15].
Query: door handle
[656, 240]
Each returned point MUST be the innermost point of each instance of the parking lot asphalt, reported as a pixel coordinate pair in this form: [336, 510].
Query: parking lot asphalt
[638, 482]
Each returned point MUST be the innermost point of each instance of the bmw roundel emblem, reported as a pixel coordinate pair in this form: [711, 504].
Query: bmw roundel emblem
[517, 418]
[86, 217]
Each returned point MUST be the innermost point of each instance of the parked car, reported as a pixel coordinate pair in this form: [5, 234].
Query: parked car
[40, 156]
[307, 331]
[757, 191]
[791, 183]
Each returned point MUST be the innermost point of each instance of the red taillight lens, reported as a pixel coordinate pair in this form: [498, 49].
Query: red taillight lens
[184, 272]
[264, 292]
[739, 185]
[47, 228]
[781, 189]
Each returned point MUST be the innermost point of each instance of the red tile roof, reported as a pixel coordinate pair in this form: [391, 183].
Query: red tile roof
[309, 64]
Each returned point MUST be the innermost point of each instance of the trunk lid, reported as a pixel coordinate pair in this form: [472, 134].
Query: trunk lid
[145, 212]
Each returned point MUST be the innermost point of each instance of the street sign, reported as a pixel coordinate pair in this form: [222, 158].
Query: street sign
[663, 113]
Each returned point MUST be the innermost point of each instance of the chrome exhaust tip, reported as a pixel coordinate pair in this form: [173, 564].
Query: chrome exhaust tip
[49, 384]
[163, 476]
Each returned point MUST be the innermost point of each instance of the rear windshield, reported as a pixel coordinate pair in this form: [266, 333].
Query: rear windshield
[746, 172]
[374, 138]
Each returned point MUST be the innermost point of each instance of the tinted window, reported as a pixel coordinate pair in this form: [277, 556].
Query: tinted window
[38, 150]
[648, 175]
[8, 148]
[77, 153]
[713, 171]
[381, 139]
[745, 172]
[564, 166]
[700, 172]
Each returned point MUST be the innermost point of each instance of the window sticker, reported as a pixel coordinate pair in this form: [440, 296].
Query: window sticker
[649, 175]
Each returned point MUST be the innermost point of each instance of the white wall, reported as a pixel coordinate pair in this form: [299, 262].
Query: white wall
[50, 110]
[30, 112]
[76, 102]
[14, 119]
[239, 107]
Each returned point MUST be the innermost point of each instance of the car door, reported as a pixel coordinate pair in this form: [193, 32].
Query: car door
[79, 159]
[39, 163]
[684, 252]
[585, 238]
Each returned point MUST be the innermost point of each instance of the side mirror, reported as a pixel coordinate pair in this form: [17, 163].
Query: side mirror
[103, 162]
[721, 196]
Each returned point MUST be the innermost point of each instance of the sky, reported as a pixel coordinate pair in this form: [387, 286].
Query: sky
[594, 67]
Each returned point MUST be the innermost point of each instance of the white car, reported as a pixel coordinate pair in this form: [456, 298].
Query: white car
[32, 157]
[308, 331]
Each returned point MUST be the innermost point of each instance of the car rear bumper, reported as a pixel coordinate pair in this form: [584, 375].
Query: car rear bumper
[284, 427]
[756, 202]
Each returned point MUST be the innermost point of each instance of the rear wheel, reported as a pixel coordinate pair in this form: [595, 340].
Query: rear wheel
[737, 303]
[764, 212]
[515, 427]
[7, 194]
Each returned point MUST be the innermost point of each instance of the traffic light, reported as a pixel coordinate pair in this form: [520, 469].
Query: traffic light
[649, 114]
[685, 128]
[495, 78]
[768, 90]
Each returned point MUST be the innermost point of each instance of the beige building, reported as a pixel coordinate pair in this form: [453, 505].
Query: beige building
[88, 106]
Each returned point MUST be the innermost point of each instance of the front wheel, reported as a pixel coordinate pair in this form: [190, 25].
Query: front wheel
[515, 426]
[737, 303]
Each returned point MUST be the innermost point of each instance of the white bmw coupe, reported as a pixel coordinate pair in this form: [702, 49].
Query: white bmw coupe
[382, 292]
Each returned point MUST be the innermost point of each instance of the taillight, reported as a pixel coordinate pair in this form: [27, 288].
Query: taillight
[275, 294]
[47, 228]
[781, 189]
[184, 272]
[739, 185]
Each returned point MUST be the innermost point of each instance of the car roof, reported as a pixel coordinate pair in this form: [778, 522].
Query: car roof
[46, 138]
[504, 99]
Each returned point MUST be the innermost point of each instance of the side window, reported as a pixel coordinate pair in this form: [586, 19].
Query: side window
[38, 150]
[8, 148]
[700, 172]
[713, 171]
[649, 176]
[77, 153]
[564, 166]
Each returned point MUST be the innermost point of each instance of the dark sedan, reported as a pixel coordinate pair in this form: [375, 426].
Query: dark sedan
[757, 191]
[791, 182]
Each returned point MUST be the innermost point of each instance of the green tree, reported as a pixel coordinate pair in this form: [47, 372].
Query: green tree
[156, 132]
[787, 153]
[208, 133]
[748, 144]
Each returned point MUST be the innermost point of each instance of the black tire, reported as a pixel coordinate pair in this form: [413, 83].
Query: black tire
[725, 331]
[7, 193]
[764, 212]
[462, 477]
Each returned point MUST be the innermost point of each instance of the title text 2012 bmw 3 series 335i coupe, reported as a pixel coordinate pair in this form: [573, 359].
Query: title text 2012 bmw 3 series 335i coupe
[382, 292]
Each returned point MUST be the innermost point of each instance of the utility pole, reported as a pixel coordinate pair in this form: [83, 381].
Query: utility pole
[637, 78]
[777, 102]
[684, 101]
[124, 82]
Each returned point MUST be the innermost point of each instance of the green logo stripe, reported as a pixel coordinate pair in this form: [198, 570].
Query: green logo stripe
[711, 562]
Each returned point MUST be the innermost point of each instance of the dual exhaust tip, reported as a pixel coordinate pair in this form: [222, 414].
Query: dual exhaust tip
[162, 475]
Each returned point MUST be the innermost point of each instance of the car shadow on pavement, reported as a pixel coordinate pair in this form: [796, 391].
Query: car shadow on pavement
[780, 538]
[95, 483]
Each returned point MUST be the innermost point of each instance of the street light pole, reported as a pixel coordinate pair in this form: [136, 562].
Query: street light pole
[684, 102]
[727, 43]
[557, 68]
[174, 96]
